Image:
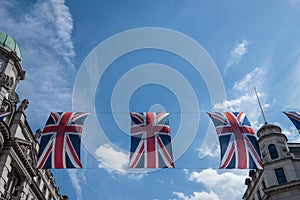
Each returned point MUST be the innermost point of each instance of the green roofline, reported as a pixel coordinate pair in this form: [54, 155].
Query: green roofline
[9, 42]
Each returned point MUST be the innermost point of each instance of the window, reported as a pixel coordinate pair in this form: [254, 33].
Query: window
[45, 190]
[273, 151]
[280, 176]
[12, 185]
[263, 184]
[38, 181]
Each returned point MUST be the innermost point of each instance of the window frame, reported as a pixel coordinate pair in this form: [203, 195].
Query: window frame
[273, 151]
[280, 175]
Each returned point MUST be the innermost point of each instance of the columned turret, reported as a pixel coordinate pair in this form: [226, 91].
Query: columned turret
[280, 178]
[272, 143]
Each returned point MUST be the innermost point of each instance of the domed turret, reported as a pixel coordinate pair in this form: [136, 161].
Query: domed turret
[10, 43]
[11, 72]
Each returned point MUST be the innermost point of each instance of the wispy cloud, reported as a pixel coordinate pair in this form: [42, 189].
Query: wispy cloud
[137, 176]
[227, 185]
[197, 196]
[294, 3]
[116, 162]
[291, 133]
[43, 32]
[249, 81]
[246, 99]
[76, 183]
[208, 151]
[291, 88]
[112, 159]
[236, 54]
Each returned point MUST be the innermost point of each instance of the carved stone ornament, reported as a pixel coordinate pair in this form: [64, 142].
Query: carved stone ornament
[13, 98]
[6, 80]
[38, 134]
[24, 105]
[1, 141]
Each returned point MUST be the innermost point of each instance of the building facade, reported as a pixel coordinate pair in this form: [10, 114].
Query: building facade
[19, 179]
[280, 178]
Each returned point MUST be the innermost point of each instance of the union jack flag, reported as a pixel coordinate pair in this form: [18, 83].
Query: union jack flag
[295, 118]
[150, 141]
[3, 115]
[60, 140]
[239, 146]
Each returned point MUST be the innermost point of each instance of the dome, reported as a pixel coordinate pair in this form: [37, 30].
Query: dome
[9, 42]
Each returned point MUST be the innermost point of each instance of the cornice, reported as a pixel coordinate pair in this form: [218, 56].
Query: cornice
[16, 143]
[5, 131]
[37, 191]
[282, 187]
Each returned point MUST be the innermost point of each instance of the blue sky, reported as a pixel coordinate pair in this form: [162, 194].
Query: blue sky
[207, 56]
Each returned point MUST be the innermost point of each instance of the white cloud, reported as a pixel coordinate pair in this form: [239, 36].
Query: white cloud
[292, 134]
[43, 31]
[294, 3]
[249, 80]
[112, 159]
[227, 185]
[137, 176]
[239, 103]
[115, 161]
[40, 28]
[246, 99]
[197, 196]
[63, 23]
[75, 183]
[291, 90]
[230, 185]
[236, 54]
[207, 150]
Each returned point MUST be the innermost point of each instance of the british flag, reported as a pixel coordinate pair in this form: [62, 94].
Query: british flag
[3, 115]
[295, 118]
[60, 140]
[239, 146]
[150, 141]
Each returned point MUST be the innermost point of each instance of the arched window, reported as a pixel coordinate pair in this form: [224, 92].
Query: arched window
[273, 151]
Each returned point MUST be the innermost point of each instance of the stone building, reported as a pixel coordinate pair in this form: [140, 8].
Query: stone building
[280, 178]
[18, 144]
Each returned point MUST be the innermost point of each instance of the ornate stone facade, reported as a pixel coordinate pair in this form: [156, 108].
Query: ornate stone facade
[19, 179]
[280, 178]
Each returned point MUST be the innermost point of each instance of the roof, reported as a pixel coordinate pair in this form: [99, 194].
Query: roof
[9, 42]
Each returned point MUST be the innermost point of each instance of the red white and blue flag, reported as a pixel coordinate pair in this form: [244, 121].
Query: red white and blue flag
[295, 118]
[150, 141]
[60, 140]
[3, 115]
[238, 142]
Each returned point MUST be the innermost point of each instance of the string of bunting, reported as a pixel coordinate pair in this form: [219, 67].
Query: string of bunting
[151, 145]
